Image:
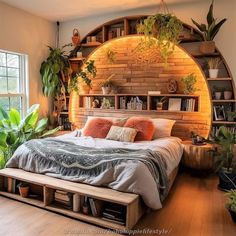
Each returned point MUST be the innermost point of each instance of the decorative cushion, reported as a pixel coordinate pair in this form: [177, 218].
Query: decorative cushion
[118, 121]
[97, 128]
[144, 126]
[163, 127]
[123, 134]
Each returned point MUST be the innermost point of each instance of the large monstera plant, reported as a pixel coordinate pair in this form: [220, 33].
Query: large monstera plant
[14, 131]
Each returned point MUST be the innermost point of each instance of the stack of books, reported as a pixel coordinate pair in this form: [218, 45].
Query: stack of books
[114, 213]
[63, 198]
[95, 206]
[188, 104]
[88, 101]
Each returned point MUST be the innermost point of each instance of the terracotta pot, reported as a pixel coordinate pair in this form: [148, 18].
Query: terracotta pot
[217, 95]
[207, 47]
[75, 38]
[106, 90]
[228, 95]
[24, 191]
[213, 73]
[84, 89]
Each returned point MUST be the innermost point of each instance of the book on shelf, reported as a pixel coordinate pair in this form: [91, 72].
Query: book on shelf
[63, 198]
[215, 130]
[96, 206]
[188, 104]
[88, 101]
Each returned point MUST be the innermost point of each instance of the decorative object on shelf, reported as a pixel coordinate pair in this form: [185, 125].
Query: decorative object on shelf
[79, 54]
[174, 104]
[225, 161]
[95, 103]
[219, 112]
[189, 82]
[107, 85]
[172, 86]
[105, 104]
[161, 30]
[231, 116]
[231, 204]
[213, 67]
[217, 92]
[85, 207]
[228, 95]
[197, 139]
[160, 102]
[75, 38]
[93, 39]
[23, 189]
[111, 55]
[88, 39]
[14, 131]
[209, 31]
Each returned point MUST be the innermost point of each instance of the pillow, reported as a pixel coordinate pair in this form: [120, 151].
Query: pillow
[97, 128]
[163, 128]
[123, 134]
[144, 126]
[118, 121]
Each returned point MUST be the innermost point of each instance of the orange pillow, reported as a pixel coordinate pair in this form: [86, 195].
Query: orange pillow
[97, 128]
[144, 126]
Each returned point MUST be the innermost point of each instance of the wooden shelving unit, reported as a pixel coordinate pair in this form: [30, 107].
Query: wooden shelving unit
[131, 202]
[219, 79]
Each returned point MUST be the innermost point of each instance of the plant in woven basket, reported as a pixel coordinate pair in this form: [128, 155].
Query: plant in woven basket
[161, 30]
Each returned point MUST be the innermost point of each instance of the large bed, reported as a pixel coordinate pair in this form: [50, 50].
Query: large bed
[131, 175]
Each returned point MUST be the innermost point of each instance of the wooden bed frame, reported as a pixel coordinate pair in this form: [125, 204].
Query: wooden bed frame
[45, 187]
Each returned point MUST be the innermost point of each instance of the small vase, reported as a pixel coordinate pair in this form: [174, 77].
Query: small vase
[106, 90]
[217, 95]
[24, 191]
[213, 73]
[207, 47]
[228, 95]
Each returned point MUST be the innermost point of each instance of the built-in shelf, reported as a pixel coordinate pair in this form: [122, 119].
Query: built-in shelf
[92, 44]
[219, 79]
[216, 54]
[77, 59]
[223, 100]
[224, 122]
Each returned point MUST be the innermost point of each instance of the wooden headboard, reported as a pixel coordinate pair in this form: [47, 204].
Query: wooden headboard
[136, 75]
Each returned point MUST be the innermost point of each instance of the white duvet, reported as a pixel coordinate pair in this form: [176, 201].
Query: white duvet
[141, 180]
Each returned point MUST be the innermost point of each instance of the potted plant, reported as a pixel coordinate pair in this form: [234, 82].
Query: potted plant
[107, 85]
[213, 67]
[161, 30]
[228, 94]
[217, 92]
[224, 159]
[209, 31]
[160, 102]
[23, 189]
[14, 131]
[231, 204]
[189, 82]
[231, 115]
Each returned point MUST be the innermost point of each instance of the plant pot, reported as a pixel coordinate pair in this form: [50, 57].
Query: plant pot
[213, 73]
[84, 89]
[159, 106]
[226, 179]
[24, 191]
[106, 90]
[218, 95]
[233, 215]
[207, 47]
[228, 95]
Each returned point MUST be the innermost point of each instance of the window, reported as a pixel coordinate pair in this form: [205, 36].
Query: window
[13, 81]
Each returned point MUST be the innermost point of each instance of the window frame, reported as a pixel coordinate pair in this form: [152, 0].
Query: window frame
[23, 81]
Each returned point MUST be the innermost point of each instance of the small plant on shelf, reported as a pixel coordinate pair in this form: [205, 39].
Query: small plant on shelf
[209, 31]
[107, 85]
[217, 92]
[231, 204]
[213, 66]
[23, 189]
[231, 116]
[161, 30]
[189, 82]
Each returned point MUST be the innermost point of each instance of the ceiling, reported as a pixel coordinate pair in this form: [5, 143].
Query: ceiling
[61, 10]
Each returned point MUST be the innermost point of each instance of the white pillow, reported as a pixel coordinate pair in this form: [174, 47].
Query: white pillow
[122, 134]
[163, 127]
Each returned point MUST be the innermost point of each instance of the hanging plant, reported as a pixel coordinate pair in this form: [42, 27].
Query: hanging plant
[161, 30]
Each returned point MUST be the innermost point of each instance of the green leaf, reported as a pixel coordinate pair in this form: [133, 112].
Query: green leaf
[200, 27]
[31, 118]
[210, 17]
[217, 28]
[3, 114]
[41, 125]
[50, 132]
[14, 116]
[3, 140]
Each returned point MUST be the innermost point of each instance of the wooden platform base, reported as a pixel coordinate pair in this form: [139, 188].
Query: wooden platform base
[42, 195]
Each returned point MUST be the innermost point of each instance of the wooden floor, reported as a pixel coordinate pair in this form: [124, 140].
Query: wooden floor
[194, 208]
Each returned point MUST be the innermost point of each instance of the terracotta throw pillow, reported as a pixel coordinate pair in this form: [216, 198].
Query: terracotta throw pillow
[122, 134]
[144, 126]
[97, 128]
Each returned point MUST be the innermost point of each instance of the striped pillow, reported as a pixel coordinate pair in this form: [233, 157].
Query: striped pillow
[123, 134]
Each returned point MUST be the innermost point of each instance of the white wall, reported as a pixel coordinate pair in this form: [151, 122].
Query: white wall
[225, 40]
[28, 34]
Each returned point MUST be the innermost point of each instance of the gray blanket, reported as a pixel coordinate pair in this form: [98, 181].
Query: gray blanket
[82, 164]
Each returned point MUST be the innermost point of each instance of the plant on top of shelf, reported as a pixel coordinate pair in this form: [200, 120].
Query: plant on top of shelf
[14, 131]
[161, 30]
[209, 31]
[213, 66]
[189, 82]
[107, 85]
[231, 204]
[82, 81]
[224, 159]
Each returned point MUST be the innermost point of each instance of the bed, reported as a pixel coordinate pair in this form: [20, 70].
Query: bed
[126, 176]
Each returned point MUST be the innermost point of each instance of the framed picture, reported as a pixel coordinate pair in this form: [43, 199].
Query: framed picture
[219, 112]
[174, 104]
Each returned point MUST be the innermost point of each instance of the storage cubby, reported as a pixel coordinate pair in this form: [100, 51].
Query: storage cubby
[45, 189]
